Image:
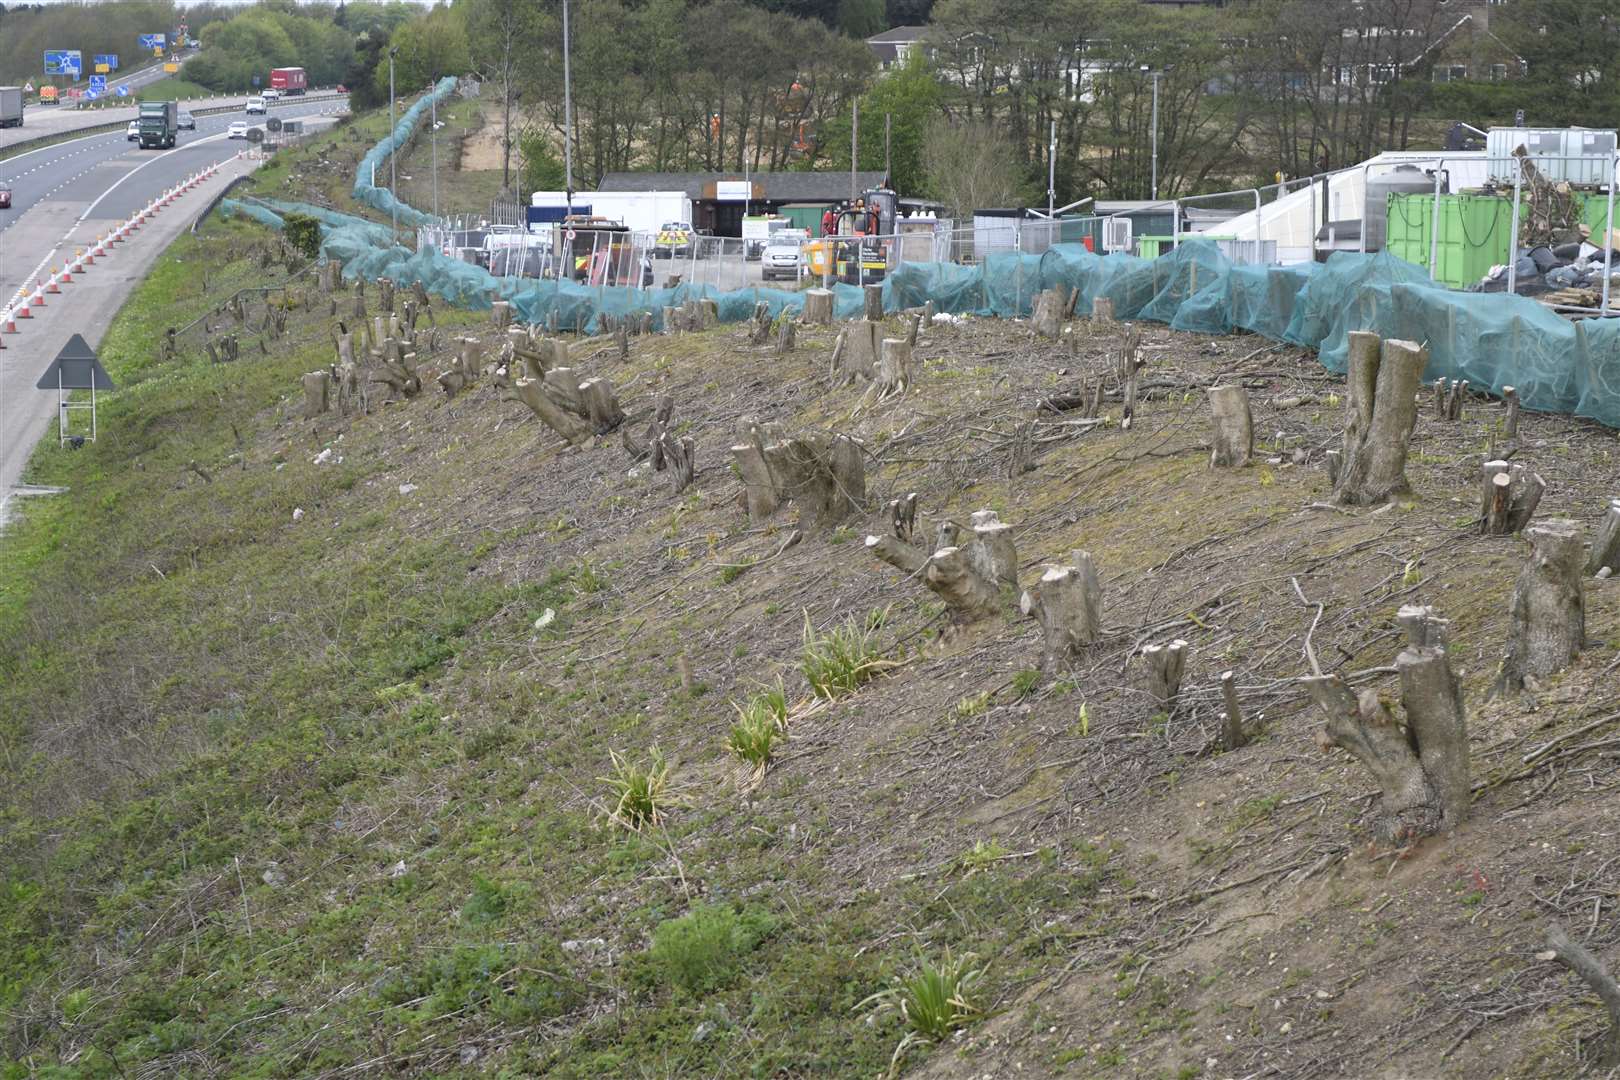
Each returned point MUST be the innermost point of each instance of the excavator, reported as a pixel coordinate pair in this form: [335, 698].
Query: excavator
[857, 250]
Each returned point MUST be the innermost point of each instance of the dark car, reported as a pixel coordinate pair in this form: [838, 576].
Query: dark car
[186, 121]
[5, 198]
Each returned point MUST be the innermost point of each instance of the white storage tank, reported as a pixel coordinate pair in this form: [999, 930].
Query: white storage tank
[1577, 155]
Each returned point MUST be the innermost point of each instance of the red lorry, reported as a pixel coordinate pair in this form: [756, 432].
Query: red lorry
[289, 81]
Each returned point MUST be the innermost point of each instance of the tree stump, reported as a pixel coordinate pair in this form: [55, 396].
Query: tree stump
[351, 389]
[1048, 313]
[1606, 548]
[1547, 613]
[1511, 494]
[317, 388]
[894, 368]
[1234, 427]
[971, 569]
[1067, 602]
[1421, 765]
[501, 314]
[818, 307]
[858, 350]
[708, 314]
[385, 294]
[914, 330]
[1102, 310]
[540, 398]
[872, 297]
[1162, 669]
[1127, 366]
[1510, 425]
[397, 369]
[1233, 736]
[359, 311]
[621, 338]
[759, 331]
[823, 474]
[1448, 403]
[787, 336]
[1383, 382]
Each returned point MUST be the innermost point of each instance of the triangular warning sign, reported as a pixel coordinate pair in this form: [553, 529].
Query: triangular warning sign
[28, 88]
[75, 368]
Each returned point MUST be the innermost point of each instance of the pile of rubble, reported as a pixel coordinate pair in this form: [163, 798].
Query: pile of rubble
[1542, 270]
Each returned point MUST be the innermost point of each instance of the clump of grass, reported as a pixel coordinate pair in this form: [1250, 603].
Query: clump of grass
[933, 1001]
[1025, 682]
[640, 793]
[842, 659]
[760, 725]
[589, 578]
[982, 855]
[703, 950]
[972, 705]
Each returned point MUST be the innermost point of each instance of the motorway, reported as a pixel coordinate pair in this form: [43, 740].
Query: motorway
[63, 198]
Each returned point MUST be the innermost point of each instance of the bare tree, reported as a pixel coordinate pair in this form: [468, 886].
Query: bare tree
[972, 164]
[500, 37]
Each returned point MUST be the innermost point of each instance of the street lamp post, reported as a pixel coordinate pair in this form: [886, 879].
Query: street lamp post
[568, 117]
[393, 150]
[1154, 131]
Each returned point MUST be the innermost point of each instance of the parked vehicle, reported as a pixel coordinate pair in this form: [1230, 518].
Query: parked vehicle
[674, 241]
[254, 105]
[11, 106]
[596, 251]
[783, 255]
[757, 232]
[187, 122]
[237, 130]
[132, 132]
[290, 81]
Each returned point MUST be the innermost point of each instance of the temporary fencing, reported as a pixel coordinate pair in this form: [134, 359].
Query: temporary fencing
[365, 190]
[1492, 341]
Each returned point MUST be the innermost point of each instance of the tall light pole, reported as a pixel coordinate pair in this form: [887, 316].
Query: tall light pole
[1154, 136]
[568, 118]
[393, 150]
[433, 99]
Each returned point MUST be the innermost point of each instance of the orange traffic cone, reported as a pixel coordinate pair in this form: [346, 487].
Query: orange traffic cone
[50, 286]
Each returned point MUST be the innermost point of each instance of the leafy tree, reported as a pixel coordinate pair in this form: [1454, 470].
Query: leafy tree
[542, 167]
[304, 233]
[861, 18]
[912, 98]
[429, 47]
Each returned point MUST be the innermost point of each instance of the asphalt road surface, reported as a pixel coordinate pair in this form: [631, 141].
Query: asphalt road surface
[63, 198]
[39, 121]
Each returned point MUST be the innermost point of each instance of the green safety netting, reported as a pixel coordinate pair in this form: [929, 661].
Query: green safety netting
[1491, 340]
[381, 198]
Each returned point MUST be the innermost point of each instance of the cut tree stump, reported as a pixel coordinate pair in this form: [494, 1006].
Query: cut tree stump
[894, 368]
[872, 297]
[823, 474]
[574, 428]
[760, 324]
[1383, 381]
[1547, 613]
[1233, 737]
[818, 307]
[1048, 312]
[708, 314]
[385, 294]
[317, 390]
[786, 336]
[1606, 548]
[501, 314]
[1511, 494]
[1419, 764]
[971, 568]
[1067, 602]
[1102, 310]
[1162, 669]
[858, 350]
[1128, 365]
[1510, 425]
[1234, 427]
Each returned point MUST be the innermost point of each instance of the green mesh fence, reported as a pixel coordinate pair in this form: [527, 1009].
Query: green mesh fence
[1491, 340]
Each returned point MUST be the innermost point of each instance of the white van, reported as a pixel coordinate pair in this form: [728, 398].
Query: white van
[254, 105]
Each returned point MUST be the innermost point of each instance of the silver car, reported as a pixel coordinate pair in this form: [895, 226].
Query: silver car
[783, 255]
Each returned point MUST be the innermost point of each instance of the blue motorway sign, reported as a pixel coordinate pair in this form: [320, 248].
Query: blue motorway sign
[92, 94]
[154, 41]
[110, 59]
[98, 84]
[63, 62]
[122, 90]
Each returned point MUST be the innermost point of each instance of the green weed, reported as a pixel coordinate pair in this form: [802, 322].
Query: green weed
[704, 949]
[640, 793]
[842, 659]
[932, 1002]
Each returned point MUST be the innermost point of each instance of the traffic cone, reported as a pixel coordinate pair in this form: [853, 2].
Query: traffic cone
[66, 276]
[50, 285]
[11, 322]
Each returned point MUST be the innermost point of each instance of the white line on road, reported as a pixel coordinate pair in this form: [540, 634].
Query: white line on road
[138, 168]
